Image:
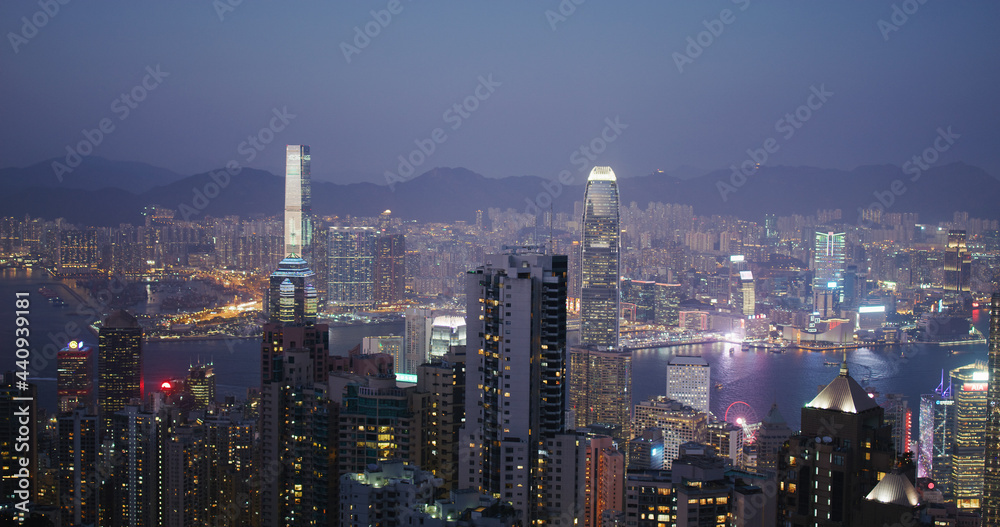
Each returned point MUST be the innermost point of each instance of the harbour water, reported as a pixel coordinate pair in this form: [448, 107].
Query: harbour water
[758, 378]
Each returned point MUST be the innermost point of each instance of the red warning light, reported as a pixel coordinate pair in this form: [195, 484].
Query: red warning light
[930, 485]
[166, 385]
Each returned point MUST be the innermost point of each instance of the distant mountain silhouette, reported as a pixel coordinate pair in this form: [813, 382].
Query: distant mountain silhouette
[103, 192]
[93, 173]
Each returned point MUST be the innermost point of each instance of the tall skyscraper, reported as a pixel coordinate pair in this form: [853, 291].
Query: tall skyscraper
[298, 201]
[689, 380]
[75, 381]
[131, 496]
[599, 295]
[351, 256]
[600, 389]
[991, 480]
[77, 460]
[390, 268]
[937, 419]
[829, 262]
[515, 390]
[970, 386]
[295, 421]
[119, 365]
[957, 263]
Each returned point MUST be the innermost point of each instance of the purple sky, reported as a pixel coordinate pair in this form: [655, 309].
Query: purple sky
[556, 87]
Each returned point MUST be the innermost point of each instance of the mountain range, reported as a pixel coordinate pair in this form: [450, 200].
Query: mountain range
[104, 192]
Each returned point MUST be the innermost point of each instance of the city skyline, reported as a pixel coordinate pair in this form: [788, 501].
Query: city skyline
[561, 264]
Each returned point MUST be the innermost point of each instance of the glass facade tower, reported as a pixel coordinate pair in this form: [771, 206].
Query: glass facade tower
[298, 201]
[599, 295]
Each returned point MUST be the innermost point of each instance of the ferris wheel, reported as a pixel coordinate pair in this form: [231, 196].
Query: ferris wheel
[741, 414]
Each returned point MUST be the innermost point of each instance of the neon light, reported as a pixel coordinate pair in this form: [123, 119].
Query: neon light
[166, 385]
[871, 309]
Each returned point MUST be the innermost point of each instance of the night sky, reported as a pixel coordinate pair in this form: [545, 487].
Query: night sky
[555, 80]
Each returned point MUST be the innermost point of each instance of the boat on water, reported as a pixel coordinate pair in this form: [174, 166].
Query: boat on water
[831, 363]
[718, 386]
[47, 293]
[731, 350]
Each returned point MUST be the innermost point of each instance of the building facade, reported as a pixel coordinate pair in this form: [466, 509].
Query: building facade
[600, 294]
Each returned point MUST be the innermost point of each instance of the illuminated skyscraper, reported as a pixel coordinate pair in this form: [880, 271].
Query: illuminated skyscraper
[970, 384]
[78, 478]
[599, 295]
[417, 339]
[937, 418]
[119, 365]
[351, 256]
[689, 379]
[298, 201]
[957, 263]
[600, 389]
[829, 262]
[991, 480]
[294, 417]
[201, 382]
[390, 268]
[516, 367]
[75, 381]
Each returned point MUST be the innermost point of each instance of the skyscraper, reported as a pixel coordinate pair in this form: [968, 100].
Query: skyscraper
[829, 261]
[970, 386]
[390, 268]
[201, 382]
[351, 256]
[600, 389]
[417, 338]
[599, 295]
[298, 201]
[937, 419]
[827, 470]
[689, 380]
[446, 331]
[77, 460]
[119, 365]
[957, 262]
[991, 479]
[75, 381]
[295, 418]
[515, 390]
